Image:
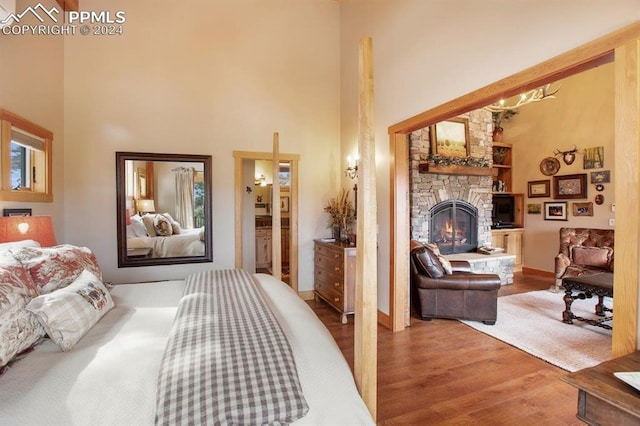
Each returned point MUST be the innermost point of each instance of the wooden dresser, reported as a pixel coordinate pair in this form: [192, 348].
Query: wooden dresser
[335, 275]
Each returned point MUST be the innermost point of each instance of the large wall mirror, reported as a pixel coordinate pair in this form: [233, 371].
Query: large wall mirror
[164, 209]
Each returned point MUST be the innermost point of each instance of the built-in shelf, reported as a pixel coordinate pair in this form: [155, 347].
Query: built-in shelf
[454, 170]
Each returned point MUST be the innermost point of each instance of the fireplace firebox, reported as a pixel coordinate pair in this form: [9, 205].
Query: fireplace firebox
[453, 226]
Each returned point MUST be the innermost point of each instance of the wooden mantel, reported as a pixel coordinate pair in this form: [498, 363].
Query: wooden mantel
[454, 169]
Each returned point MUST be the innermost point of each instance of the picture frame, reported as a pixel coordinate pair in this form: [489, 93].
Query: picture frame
[534, 208]
[555, 210]
[450, 138]
[602, 176]
[582, 209]
[593, 158]
[284, 203]
[141, 190]
[16, 212]
[539, 188]
[570, 186]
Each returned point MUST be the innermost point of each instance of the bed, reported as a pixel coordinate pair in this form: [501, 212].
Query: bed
[189, 242]
[109, 377]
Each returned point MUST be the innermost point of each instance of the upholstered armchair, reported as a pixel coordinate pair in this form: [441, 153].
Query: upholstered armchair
[451, 291]
[583, 251]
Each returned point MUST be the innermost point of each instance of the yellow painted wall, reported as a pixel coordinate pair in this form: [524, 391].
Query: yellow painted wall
[581, 115]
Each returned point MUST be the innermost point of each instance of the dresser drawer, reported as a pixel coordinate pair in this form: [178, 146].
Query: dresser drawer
[329, 264]
[329, 252]
[332, 297]
[336, 282]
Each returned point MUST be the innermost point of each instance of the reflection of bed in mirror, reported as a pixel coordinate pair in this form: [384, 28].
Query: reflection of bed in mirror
[184, 243]
[164, 213]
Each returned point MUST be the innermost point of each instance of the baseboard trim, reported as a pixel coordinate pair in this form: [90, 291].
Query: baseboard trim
[540, 272]
[306, 295]
[384, 320]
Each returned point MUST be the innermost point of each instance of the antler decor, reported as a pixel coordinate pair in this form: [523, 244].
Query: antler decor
[534, 95]
[567, 156]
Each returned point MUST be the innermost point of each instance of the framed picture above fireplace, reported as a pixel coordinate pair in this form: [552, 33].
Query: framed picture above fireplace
[450, 138]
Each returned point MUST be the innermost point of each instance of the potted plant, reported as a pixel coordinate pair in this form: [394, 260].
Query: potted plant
[341, 213]
[498, 118]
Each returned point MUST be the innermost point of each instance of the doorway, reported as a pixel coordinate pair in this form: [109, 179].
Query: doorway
[247, 233]
[621, 47]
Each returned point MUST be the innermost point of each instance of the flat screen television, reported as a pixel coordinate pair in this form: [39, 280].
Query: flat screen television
[503, 214]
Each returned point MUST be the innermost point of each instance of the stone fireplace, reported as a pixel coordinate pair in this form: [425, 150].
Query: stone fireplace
[452, 210]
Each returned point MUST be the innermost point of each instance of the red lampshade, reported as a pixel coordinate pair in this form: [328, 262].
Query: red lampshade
[18, 228]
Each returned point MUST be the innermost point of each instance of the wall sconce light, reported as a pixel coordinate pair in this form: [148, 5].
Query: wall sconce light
[145, 206]
[352, 167]
[18, 228]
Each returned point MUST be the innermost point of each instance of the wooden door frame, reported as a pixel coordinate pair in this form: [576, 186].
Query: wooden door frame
[293, 159]
[623, 48]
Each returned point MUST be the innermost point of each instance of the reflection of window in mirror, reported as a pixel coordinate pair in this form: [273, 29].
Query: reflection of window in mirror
[26, 160]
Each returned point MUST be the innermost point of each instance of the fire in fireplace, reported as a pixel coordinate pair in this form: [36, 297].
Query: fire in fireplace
[453, 226]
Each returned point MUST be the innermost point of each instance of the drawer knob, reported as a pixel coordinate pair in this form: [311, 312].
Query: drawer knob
[336, 284]
[336, 255]
[336, 299]
[337, 268]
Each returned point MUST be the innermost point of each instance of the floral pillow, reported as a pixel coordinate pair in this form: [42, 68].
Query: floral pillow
[56, 267]
[162, 226]
[446, 265]
[68, 313]
[18, 330]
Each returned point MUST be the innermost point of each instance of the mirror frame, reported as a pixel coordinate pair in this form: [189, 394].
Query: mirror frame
[123, 260]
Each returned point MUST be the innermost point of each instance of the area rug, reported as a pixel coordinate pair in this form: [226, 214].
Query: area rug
[533, 323]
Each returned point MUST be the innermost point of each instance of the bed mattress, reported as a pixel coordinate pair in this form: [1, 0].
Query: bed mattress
[110, 376]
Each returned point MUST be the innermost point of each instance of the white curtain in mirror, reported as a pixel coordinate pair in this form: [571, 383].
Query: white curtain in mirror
[184, 196]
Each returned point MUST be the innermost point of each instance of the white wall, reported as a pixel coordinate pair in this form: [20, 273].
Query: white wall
[201, 77]
[427, 53]
[31, 85]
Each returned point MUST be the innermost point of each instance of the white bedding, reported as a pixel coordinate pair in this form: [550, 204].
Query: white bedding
[109, 378]
[187, 243]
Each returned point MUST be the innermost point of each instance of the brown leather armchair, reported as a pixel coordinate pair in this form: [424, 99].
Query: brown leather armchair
[458, 295]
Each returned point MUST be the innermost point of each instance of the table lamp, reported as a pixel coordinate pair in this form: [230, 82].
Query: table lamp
[18, 228]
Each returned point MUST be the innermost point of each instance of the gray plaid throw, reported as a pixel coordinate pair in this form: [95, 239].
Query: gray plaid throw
[227, 361]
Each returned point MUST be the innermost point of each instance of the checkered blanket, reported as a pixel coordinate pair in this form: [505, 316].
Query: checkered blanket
[227, 360]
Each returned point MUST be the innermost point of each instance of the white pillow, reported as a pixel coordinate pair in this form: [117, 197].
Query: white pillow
[137, 227]
[68, 313]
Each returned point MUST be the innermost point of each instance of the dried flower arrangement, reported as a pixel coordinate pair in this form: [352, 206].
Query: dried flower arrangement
[340, 210]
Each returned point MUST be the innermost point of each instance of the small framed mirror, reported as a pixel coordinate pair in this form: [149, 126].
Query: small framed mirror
[164, 209]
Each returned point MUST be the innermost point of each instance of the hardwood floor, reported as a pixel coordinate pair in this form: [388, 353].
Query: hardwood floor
[442, 372]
